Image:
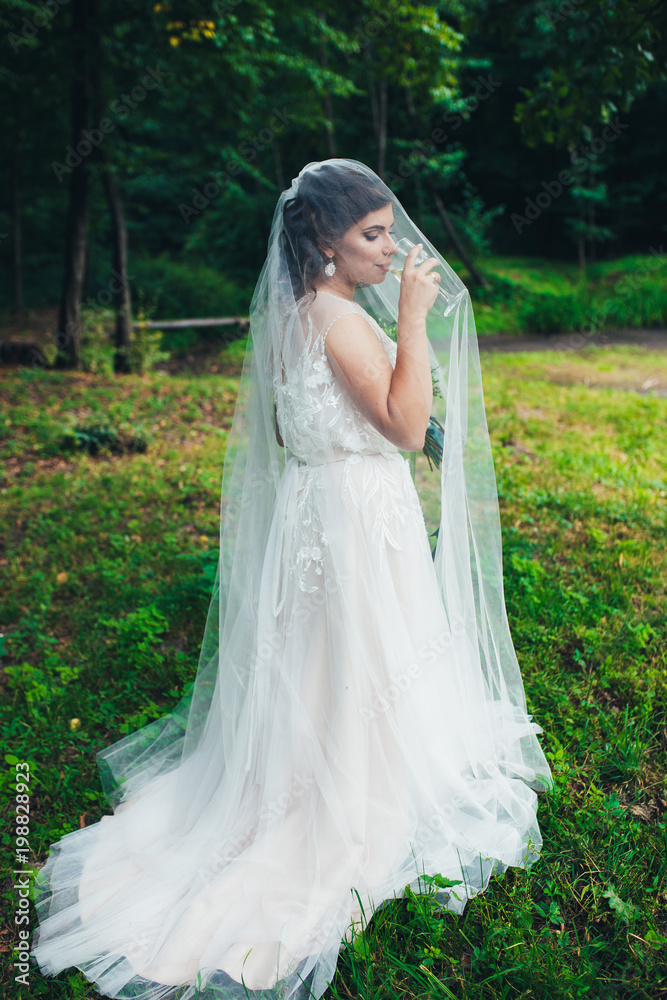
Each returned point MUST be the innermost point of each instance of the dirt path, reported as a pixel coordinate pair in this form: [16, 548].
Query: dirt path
[654, 339]
[560, 358]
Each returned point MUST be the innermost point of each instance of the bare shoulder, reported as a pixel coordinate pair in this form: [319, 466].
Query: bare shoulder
[351, 341]
[360, 365]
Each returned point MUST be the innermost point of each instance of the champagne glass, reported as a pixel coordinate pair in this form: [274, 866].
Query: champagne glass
[400, 256]
[398, 263]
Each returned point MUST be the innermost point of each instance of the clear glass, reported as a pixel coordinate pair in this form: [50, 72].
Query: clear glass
[398, 263]
[400, 256]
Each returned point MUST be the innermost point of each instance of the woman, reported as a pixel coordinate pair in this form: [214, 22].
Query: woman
[358, 717]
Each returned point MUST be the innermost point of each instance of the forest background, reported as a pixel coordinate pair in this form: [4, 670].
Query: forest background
[145, 145]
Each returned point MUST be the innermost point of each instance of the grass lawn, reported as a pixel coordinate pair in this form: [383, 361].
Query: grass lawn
[107, 565]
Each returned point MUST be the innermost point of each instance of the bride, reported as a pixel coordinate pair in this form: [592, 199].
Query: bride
[358, 719]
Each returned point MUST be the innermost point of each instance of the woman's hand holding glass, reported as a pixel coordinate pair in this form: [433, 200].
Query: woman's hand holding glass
[419, 282]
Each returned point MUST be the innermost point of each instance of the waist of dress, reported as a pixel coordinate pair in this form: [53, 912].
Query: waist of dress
[343, 456]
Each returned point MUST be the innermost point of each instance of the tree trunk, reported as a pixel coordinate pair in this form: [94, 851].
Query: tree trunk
[382, 137]
[372, 93]
[328, 108]
[582, 252]
[119, 284]
[69, 317]
[331, 135]
[85, 290]
[581, 240]
[420, 200]
[278, 165]
[16, 232]
[475, 273]
[412, 113]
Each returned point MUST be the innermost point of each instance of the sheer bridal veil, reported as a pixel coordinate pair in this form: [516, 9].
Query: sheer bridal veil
[459, 501]
[245, 817]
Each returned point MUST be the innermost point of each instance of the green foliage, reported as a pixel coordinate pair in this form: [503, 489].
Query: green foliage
[560, 73]
[625, 911]
[136, 638]
[42, 688]
[97, 348]
[531, 296]
[185, 289]
[101, 439]
[565, 97]
[145, 350]
[474, 221]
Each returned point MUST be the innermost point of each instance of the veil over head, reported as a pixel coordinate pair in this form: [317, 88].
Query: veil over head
[351, 723]
[459, 500]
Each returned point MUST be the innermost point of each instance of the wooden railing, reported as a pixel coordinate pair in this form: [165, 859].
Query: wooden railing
[173, 324]
[29, 352]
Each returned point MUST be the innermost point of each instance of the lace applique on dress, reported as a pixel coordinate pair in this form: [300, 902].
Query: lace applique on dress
[394, 498]
[311, 540]
[318, 418]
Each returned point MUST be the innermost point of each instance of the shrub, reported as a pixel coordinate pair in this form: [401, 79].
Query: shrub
[101, 439]
[97, 347]
[146, 343]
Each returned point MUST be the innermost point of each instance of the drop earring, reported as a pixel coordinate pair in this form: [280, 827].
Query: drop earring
[330, 269]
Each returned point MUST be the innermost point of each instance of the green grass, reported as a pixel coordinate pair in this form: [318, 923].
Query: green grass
[107, 566]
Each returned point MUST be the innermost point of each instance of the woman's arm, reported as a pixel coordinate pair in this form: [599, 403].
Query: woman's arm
[397, 401]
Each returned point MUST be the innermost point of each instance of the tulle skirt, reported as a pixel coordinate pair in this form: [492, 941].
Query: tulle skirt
[369, 751]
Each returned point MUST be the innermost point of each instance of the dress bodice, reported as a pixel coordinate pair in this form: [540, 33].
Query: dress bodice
[317, 419]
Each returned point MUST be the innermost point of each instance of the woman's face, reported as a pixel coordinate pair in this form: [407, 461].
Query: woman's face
[363, 254]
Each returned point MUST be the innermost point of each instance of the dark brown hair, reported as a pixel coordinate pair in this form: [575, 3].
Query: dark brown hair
[329, 201]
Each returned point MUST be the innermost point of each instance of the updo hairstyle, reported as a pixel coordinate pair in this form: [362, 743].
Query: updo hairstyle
[329, 201]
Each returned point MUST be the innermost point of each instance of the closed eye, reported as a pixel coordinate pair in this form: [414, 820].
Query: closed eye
[369, 237]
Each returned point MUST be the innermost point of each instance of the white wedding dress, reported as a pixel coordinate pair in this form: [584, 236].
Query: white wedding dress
[359, 765]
